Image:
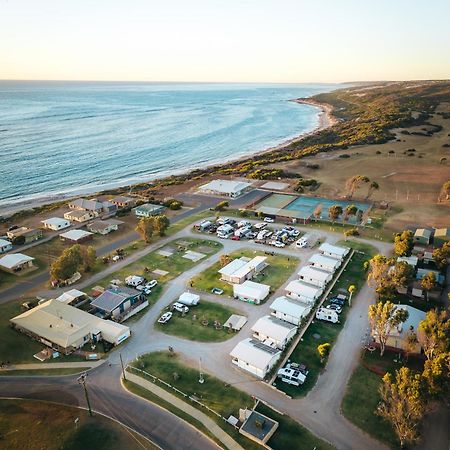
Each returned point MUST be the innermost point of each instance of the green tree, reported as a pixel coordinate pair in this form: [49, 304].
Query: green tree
[402, 404]
[436, 376]
[334, 212]
[383, 318]
[68, 263]
[441, 254]
[428, 283]
[145, 228]
[403, 243]
[354, 183]
[351, 210]
[434, 333]
[379, 278]
[160, 224]
[401, 274]
[324, 351]
[89, 258]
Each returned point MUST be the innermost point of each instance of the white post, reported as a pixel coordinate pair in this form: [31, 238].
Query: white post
[201, 380]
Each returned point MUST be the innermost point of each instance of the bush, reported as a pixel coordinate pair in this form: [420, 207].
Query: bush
[352, 232]
[173, 204]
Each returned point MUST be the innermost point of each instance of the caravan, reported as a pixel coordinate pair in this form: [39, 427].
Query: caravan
[329, 315]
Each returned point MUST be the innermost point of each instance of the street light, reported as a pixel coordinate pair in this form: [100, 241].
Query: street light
[82, 380]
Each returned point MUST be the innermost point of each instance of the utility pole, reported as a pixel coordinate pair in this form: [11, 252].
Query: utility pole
[82, 380]
[201, 380]
[123, 369]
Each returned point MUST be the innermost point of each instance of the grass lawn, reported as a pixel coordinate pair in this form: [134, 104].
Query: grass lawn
[306, 350]
[35, 425]
[279, 269]
[290, 435]
[194, 329]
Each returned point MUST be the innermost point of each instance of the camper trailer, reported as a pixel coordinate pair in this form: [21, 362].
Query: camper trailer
[329, 315]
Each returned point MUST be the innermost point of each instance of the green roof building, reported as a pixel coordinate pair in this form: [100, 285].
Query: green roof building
[441, 236]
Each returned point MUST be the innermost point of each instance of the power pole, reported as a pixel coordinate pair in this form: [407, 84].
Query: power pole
[82, 380]
[123, 369]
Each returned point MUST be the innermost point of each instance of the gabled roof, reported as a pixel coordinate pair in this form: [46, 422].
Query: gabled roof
[333, 249]
[75, 235]
[4, 243]
[255, 353]
[55, 221]
[83, 203]
[274, 328]
[324, 261]
[251, 289]
[314, 273]
[70, 296]
[225, 186]
[303, 289]
[290, 307]
[423, 232]
[109, 300]
[14, 259]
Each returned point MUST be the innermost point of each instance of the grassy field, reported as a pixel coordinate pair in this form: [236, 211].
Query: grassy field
[196, 328]
[306, 350]
[224, 399]
[279, 269]
[35, 425]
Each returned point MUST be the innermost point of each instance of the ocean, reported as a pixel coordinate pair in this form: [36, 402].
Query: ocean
[64, 138]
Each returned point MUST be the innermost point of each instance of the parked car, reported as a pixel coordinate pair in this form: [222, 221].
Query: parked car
[337, 308]
[144, 289]
[259, 226]
[165, 317]
[337, 301]
[235, 238]
[151, 284]
[244, 223]
[251, 235]
[217, 291]
[269, 219]
[180, 308]
[279, 244]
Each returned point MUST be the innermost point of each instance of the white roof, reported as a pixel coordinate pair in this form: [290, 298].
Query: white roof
[4, 243]
[411, 260]
[189, 296]
[70, 296]
[242, 266]
[251, 289]
[290, 307]
[303, 289]
[275, 185]
[314, 273]
[255, 353]
[75, 235]
[333, 249]
[14, 259]
[324, 261]
[415, 316]
[274, 328]
[225, 186]
[55, 221]
[232, 266]
[235, 321]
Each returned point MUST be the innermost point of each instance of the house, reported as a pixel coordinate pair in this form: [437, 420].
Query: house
[441, 236]
[291, 311]
[72, 297]
[257, 426]
[16, 262]
[251, 292]
[96, 207]
[333, 251]
[102, 227]
[422, 236]
[398, 337]
[316, 277]
[411, 260]
[55, 223]
[76, 236]
[324, 263]
[421, 272]
[148, 210]
[273, 332]
[5, 246]
[227, 188]
[25, 235]
[123, 202]
[303, 292]
[241, 269]
[117, 303]
[255, 357]
[80, 215]
[65, 328]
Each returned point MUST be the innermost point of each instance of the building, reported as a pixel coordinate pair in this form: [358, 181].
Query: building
[235, 322]
[291, 311]
[24, 234]
[411, 260]
[65, 328]
[254, 357]
[76, 236]
[422, 236]
[5, 246]
[55, 223]
[324, 263]
[72, 297]
[316, 277]
[98, 208]
[251, 292]
[123, 202]
[148, 210]
[241, 269]
[118, 302]
[441, 236]
[258, 427]
[273, 332]
[102, 227]
[298, 290]
[227, 188]
[333, 251]
[16, 262]
[80, 215]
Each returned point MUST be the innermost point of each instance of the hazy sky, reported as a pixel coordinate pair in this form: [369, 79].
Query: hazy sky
[229, 40]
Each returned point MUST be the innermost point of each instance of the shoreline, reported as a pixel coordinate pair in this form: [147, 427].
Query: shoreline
[325, 120]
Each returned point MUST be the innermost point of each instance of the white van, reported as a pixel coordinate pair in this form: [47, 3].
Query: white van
[329, 315]
[303, 242]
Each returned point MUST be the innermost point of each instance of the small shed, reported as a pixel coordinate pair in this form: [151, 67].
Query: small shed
[235, 322]
[422, 236]
[441, 236]
[258, 427]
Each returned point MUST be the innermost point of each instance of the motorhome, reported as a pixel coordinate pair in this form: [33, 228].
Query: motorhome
[329, 315]
[303, 242]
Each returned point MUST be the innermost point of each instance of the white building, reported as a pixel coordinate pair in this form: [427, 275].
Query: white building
[324, 263]
[255, 357]
[226, 188]
[411, 260]
[273, 332]
[71, 296]
[251, 292]
[241, 269]
[303, 292]
[289, 310]
[333, 251]
[317, 277]
[102, 227]
[55, 223]
[15, 262]
[5, 246]
[76, 236]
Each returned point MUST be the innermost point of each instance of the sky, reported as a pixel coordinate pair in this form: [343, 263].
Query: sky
[225, 41]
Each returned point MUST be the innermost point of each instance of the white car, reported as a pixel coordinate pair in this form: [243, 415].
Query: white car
[165, 317]
[151, 284]
[269, 220]
[261, 225]
[144, 289]
[244, 223]
[180, 308]
[279, 244]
